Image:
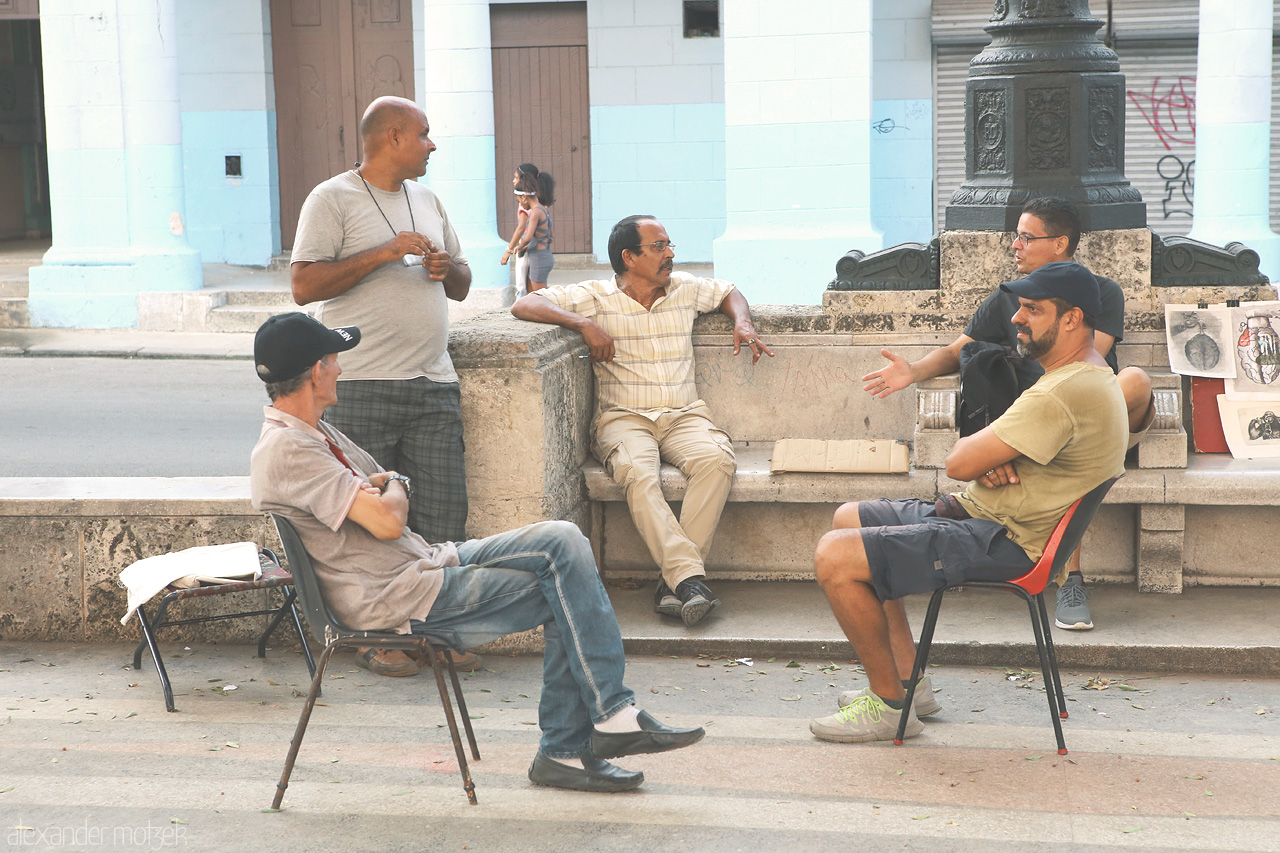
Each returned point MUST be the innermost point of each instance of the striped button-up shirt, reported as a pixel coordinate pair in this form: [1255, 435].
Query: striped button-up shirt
[652, 369]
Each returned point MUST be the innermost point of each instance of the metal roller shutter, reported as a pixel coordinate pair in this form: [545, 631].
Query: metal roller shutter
[950, 70]
[1159, 129]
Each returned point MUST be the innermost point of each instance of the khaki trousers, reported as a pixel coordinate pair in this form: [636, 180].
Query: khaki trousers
[632, 447]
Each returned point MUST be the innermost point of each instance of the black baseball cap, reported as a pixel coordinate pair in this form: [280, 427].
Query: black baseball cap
[1064, 280]
[288, 344]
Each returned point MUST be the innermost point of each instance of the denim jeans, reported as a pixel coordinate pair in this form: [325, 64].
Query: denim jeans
[543, 574]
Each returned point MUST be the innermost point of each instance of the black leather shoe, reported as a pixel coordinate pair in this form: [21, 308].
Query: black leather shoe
[599, 777]
[652, 737]
[665, 601]
[696, 600]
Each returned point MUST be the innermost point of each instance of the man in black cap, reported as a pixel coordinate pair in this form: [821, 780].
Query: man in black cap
[376, 574]
[1061, 438]
[1048, 232]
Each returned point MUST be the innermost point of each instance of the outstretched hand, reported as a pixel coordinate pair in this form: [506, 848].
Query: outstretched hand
[894, 376]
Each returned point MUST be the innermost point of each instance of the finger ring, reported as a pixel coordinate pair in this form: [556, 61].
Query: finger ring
[752, 341]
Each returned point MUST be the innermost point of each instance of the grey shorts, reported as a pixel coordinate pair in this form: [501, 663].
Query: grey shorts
[910, 549]
[540, 263]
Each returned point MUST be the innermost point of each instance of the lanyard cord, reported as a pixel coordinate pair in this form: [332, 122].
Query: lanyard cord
[412, 225]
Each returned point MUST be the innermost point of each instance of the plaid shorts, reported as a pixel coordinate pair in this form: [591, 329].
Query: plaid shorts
[413, 426]
[910, 549]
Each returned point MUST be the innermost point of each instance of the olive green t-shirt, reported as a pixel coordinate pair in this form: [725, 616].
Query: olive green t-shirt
[1072, 429]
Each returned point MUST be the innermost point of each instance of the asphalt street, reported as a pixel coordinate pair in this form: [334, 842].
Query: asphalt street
[121, 417]
[1156, 762]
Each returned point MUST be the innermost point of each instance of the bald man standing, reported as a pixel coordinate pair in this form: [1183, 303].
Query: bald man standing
[375, 248]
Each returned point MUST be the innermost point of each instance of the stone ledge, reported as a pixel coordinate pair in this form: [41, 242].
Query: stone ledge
[753, 482]
[1209, 480]
[131, 496]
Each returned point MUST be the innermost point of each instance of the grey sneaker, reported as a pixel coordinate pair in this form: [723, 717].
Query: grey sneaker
[866, 718]
[1072, 612]
[925, 704]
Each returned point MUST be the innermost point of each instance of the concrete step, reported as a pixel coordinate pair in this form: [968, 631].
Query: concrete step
[275, 296]
[241, 317]
[13, 313]
[1212, 630]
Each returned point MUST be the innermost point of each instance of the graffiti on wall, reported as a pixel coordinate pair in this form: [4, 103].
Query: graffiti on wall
[1169, 109]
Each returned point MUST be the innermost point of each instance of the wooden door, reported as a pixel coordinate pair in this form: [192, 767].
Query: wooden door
[541, 111]
[331, 59]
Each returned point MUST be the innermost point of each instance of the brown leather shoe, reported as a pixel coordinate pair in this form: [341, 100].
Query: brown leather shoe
[465, 661]
[389, 662]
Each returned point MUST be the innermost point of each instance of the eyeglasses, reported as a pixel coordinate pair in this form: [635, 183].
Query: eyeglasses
[1025, 239]
[660, 245]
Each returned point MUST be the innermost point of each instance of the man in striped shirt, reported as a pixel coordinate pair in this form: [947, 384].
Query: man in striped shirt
[638, 326]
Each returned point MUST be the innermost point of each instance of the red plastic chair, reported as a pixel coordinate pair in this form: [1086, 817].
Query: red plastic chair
[1064, 540]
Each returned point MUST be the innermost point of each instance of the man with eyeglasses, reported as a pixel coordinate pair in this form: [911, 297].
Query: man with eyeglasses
[638, 326]
[1048, 232]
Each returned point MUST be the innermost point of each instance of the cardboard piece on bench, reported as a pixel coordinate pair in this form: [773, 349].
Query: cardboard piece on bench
[852, 456]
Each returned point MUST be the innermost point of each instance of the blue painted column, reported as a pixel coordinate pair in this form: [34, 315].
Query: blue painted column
[115, 164]
[797, 91]
[1233, 129]
[456, 90]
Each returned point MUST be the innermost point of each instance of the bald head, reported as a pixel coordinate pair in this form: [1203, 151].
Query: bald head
[385, 114]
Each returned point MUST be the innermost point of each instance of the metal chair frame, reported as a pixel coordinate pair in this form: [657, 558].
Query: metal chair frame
[273, 577]
[323, 623]
[1063, 541]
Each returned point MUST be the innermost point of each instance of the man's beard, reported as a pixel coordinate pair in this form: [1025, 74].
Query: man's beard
[1035, 348]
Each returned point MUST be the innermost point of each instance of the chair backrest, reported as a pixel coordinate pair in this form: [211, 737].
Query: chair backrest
[1065, 538]
[306, 584]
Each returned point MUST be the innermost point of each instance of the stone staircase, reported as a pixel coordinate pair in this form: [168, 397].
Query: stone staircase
[234, 299]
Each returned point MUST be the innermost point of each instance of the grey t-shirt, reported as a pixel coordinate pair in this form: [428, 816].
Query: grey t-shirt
[369, 583]
[403, 315]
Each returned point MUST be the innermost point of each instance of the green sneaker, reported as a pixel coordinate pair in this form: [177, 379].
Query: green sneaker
[866, 718]
[925, 704]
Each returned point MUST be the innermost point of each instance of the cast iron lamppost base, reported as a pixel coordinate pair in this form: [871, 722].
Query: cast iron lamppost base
[1044, 116]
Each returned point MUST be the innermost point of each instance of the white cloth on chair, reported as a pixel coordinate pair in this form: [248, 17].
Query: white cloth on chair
[204, 564]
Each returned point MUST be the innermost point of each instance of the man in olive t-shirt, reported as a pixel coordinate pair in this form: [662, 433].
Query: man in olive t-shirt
[1064, 436]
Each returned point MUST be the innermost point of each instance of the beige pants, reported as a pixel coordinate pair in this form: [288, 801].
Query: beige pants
[633, 446]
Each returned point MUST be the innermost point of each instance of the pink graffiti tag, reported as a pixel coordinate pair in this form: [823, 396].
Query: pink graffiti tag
[1162, 111]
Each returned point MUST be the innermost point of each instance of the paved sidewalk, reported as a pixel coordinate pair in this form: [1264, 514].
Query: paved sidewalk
[1156, 762]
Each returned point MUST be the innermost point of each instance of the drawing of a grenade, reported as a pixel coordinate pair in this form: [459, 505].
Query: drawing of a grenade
[1259, 349]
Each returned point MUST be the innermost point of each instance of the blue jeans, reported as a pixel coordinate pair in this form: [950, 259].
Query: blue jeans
[543, 574]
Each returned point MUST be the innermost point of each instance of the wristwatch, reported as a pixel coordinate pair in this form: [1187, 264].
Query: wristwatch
[408, 489]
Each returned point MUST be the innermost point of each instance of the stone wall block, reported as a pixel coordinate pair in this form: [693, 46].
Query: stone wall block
[932, 447]
[1163, 450]
[41, 584]
[1163, 517]
[112, 544]
[1160, 544]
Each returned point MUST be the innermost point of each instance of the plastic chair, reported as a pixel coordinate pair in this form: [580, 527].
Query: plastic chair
[1064, 540]
[272, 577]
[324, 623]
